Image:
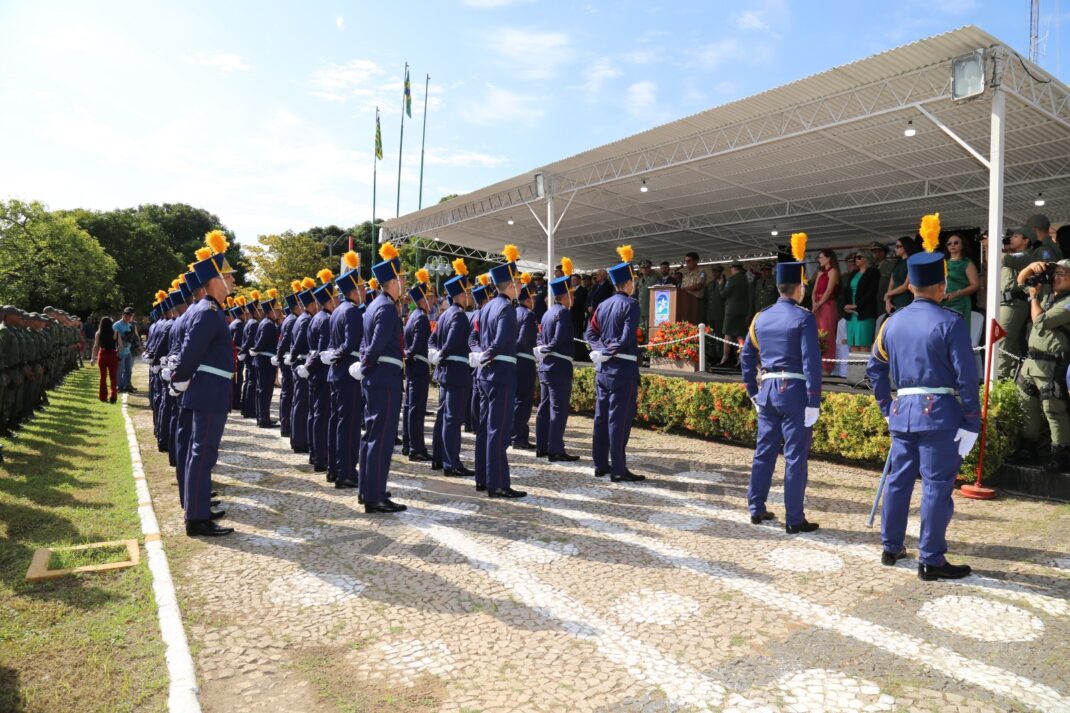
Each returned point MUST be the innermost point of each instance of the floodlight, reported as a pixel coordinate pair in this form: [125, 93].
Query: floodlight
[968, 75]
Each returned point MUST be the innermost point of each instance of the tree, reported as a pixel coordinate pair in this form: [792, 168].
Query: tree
[145, 260]
[278, 259]
[47, 259]
[185, 227]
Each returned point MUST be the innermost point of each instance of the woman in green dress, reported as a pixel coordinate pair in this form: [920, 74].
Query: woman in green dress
[962, 278]
[862, 310]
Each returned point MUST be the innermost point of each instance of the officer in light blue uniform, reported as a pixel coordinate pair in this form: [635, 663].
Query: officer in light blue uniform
[934, 418]
[611, 334]
[527, 334]
[495, 361]
[237, 337]
[555, 351]
[380, 371]
[480, 295]
[319, 394]
[248, 398]
[202, 375]
[299, 435]
[347, 334]
[449, 352]
[781, 363]
[266, 344]
[417, 335]
[291, 308]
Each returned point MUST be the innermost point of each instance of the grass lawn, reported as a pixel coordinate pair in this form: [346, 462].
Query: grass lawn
[87, 642]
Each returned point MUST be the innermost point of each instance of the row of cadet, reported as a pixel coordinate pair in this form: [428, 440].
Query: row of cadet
[36, 352]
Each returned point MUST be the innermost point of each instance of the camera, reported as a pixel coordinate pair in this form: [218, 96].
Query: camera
[1044, 278]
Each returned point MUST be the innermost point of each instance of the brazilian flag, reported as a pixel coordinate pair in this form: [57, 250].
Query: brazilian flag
[408, 94]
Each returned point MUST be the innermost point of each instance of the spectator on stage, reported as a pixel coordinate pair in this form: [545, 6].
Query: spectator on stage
[694, 281]
[578, 311]
[962, 278]
[898, 294]
[862, 307]
[736, 296]
[664, 273]
[884, 267]
[540, 292]
[601, 291]
[849, 270]
[714, 317]
[106, 345]
[825, 306]
[643, 283]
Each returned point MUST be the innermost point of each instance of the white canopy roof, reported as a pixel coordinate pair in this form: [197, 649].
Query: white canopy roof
[825, 155]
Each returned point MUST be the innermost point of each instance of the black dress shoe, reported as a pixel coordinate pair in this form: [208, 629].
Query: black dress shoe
[757, 519]
[436, 464]
[419, 456]
[888, 559]
[481, 488]
[268, 424]
[161, 449]
[459, 472]
[300, 449]
[628, 477]
[398, 441]
[524, 446]
[600, 473]
[507, 493]
[206, 528]
[216, 503]
[344, 484]
[540, 454]
[404, 451]
[319, 468]
[360, 498]
[330, 476]
[216, 514]
[284, 434]
[803, 526]
[386, 506]
[563, 458]
[931, 572]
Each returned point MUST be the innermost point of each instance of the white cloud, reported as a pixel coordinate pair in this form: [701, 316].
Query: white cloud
[641, 98]
[751, 20]
[599, 73]
[225, 62]
[495, 3]
[339, 82]
[531, 53]
[462, 159]
[501, 106]
[714, 54]
[340, 22]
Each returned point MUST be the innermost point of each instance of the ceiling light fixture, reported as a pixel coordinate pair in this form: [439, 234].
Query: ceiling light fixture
[510, 221]
[910, 130]
[643, 187]
[1039, 201]
[774, 232]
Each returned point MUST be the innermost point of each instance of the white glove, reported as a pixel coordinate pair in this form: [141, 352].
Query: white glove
[274, 360]
[543, 349]
[180, 386]
[965, 439]
[810, 417]
[434, 356]
[241, 357]
[287, 360]
[302, 371]
[145, 357]
[165, 373]
[539, 355]
[327, 357]
[154, 369]
[599, 358]
[474, 358]
[356, 370]
[252, 353]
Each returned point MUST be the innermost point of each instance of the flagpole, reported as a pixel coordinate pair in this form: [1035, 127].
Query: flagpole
[375, 176]
[423, 141]
[401, 143]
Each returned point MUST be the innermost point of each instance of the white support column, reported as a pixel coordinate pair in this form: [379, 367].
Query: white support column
[550, 225]
[995, 213]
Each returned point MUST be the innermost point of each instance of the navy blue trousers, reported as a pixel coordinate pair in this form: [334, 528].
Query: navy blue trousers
[265, 389]
[248, 397]
[471, 417]
[552, 416]
[163, 428]
[935, 454]
[320, 406]
[525, 399]
[382, 406]
[453, 401]
[154, 397]
[237, 386]
[286, 377]
[348, 412]
[183, 433]
[299, 414]
[776, 428]
[417, 384]
[206, 433]
[614, 411]
[492, 438]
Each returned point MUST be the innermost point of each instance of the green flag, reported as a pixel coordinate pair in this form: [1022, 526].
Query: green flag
[408, 94]
[378, 138]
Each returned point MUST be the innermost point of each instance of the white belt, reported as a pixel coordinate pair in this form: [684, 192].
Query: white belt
[355, 355]
[626, 357]
[461, 359]
[267, 354]
[420, 357]
[391, 360]
[218, 372]
[299, 357]
[925, 390]
[525, 355]
[783, 375]
[560, 356]
[506, 358]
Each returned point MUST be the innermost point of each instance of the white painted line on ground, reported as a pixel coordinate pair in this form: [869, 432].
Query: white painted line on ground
[951, 664]
[182, 694]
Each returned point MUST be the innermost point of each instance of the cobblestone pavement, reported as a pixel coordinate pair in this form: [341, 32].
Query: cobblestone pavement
[594, 596]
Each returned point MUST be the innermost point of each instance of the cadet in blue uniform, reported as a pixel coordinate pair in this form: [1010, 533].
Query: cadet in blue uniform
[480, 294]
[299, 435]
[248, 399]
[934, 418]
[379, 370]
[417, 333]
[495, 362]
[527, 334]
[165, 430]
[555, 352]
[201, 376]
[449, 354]
[265, 345]
[347, 334]
[237, 337]
[782, 343]
[611, 334]
[292, 308]
[319, 395]
[155, 350]
[181, 424]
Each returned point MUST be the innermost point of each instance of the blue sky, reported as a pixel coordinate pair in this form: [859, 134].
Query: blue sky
[263, 112]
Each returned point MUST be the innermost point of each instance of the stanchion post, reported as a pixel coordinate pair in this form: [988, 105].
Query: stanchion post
[702, 348]
[978, 491]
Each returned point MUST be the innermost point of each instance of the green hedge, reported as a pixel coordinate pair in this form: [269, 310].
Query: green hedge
[851, 427]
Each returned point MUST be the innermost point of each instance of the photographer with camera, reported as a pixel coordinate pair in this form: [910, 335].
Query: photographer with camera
[1040, 381]
[1013, 303]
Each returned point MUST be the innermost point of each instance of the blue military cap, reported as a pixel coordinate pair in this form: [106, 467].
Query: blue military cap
[925, 269]
[503, 273]
[524, 293]
[233, 312]
[324, 293]
[215, 264]
[419, 291]
[390, 268]
[187, 293]
[350, 279]
[481, 293]
[789, 273]
[305, 297]
[622, 272]
[285, 308]
[175, 297]
[560, 286]
[154, 314]
[456, 285]
[290, 301]
[192, 280]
